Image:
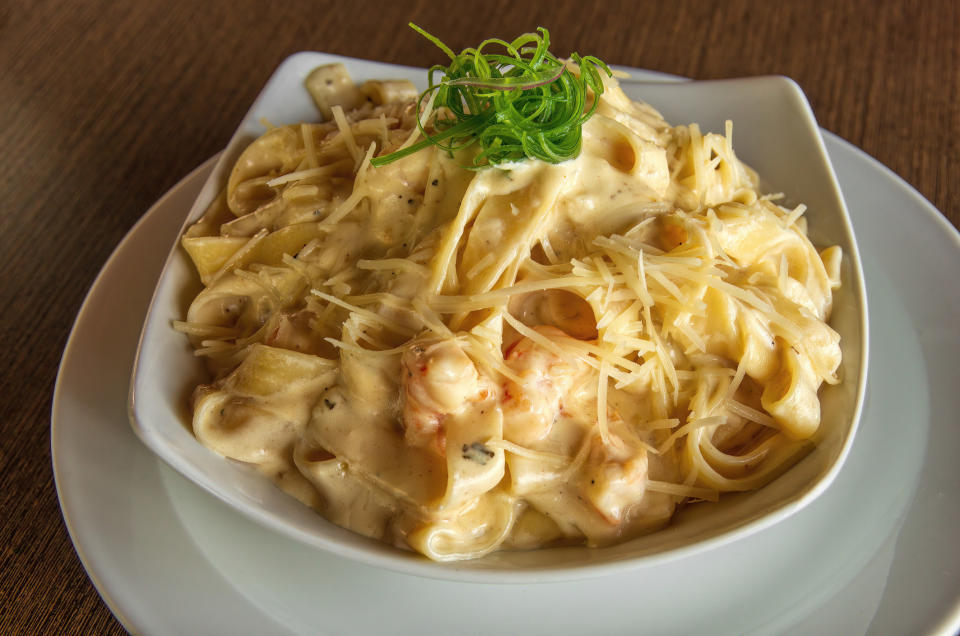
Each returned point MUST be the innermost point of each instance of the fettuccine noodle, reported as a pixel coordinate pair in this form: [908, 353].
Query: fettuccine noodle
[459, 361]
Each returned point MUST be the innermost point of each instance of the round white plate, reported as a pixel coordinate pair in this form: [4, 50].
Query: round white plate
[874, 554]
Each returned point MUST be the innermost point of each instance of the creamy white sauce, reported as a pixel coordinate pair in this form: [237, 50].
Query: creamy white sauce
[428, 409]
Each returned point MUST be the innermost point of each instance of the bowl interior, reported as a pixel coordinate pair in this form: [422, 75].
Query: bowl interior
[774, 132]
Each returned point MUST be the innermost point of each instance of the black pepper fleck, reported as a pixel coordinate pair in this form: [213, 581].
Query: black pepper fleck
[476, 452]
[329, 404]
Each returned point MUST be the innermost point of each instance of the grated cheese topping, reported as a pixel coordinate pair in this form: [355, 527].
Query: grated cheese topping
[555, 353]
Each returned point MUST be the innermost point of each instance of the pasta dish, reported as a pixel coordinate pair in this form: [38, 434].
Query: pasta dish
[457, 360]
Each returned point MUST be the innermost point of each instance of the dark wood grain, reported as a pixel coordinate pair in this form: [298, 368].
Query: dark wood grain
[104, 105]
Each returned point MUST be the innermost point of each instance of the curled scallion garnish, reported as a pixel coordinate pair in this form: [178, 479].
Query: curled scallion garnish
[521, 103]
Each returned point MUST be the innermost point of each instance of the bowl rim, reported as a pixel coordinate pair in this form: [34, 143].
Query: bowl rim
[377, 554]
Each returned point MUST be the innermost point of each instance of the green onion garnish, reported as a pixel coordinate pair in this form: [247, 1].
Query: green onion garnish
[520, 103]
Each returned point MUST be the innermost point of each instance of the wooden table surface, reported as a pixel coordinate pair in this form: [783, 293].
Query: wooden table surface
[105, 105]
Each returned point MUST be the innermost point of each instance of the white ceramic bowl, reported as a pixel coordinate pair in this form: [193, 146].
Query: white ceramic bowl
[774, 131]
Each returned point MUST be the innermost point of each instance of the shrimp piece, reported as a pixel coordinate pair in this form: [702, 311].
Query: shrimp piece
[531, 407]
[438, 380]
[613, 477]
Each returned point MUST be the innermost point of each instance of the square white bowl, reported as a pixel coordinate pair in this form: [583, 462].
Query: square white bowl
[774, 132]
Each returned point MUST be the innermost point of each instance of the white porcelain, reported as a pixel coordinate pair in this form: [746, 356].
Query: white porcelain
[774, 130]
[875, 554]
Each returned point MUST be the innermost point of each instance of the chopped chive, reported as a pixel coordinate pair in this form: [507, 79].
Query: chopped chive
[521, 103]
